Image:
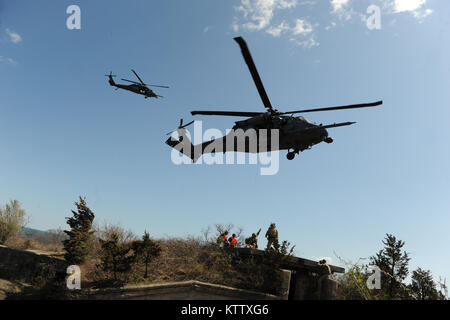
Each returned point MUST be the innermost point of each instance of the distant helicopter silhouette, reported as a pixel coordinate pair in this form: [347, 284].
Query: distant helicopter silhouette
[136, 87]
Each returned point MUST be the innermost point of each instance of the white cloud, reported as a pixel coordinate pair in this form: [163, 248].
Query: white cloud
[277, 30]
[342, 9]
[14, 37]
[415, 7]
[276, 17]
[307, 43]
[422, 14]
[9, 60]
[302, 27]
[259, 13]
[408, 5]
[338, 5]
[235, 25]
[332, 25]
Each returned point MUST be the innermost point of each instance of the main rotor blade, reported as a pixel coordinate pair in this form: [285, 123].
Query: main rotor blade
[154, 85]
[138, 77]
[132, 81]
[328, 126]
[352, 106]
[227, 113]
[254, 72]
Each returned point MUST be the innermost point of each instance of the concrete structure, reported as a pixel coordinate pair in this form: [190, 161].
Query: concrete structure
[185, 290]
[24, 265]
[300, 280]
[303, 279]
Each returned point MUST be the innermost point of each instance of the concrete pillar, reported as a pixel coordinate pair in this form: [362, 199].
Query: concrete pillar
[328, 289]
[302, 285]
[283, 291]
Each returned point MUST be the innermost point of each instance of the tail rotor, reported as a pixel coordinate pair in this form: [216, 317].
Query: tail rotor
[181, 126]
[110, 75]
[111, 80]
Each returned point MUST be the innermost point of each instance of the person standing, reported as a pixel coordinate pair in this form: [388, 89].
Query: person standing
[233, 240]
[222, 238]
[252, 242]
[272, 236]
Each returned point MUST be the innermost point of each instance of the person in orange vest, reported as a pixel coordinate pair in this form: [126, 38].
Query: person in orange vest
[233, 240]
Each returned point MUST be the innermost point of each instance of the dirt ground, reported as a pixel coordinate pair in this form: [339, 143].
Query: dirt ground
[10, 287]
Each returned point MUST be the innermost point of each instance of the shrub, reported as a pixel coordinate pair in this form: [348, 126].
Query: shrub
[12, 220]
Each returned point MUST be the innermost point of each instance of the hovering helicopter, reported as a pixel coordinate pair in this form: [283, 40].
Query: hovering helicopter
[136, 87]
[296, 134]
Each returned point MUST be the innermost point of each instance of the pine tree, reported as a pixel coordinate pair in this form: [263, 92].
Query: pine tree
[146, 249]
[115, 256]
[423, 286]
[393, 264]
[80, 234]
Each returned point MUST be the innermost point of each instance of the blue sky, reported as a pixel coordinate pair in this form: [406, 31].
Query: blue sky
[65, 132]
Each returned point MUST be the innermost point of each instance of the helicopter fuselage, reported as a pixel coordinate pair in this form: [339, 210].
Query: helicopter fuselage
[136, 88]
[255, 135]
[296, 133]
[147, 92]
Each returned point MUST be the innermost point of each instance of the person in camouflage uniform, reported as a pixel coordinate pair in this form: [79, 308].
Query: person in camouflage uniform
[222, 238]
[324, 274]
[252, 242]
[272, 236]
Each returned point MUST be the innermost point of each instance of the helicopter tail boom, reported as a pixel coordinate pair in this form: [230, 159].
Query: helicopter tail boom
[111, 80]
[184, 145]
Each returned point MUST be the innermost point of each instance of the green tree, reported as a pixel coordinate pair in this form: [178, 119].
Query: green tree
[12, 220]
[393, 262]
[423, 286]
[353, 284]
[77, 247]
[115, 256]
[145, 250]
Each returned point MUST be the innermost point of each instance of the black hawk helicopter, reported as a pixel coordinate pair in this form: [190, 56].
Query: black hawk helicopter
[136, 87]
[296, 134]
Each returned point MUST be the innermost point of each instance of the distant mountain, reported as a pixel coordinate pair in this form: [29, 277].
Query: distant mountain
[31, 230]
[46, 237]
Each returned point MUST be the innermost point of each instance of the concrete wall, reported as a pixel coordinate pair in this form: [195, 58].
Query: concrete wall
[23, 265]
[186, 290]
[309, 286]
[303, 284]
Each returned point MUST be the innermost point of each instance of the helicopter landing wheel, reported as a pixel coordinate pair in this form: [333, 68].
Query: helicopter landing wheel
[290, 156]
